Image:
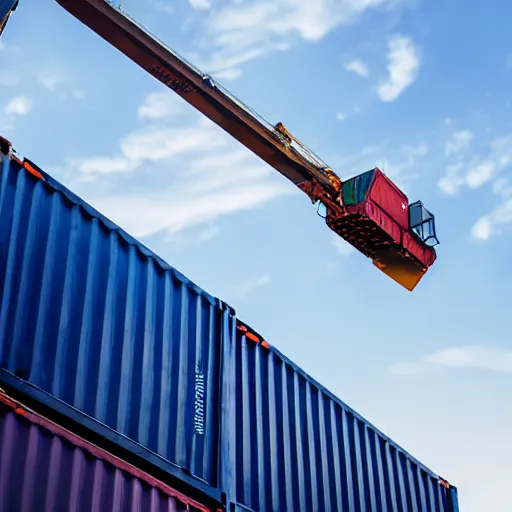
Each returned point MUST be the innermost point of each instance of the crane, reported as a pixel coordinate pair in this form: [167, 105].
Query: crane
[368, 211]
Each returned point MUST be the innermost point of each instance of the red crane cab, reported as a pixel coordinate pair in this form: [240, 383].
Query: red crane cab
[377, 219]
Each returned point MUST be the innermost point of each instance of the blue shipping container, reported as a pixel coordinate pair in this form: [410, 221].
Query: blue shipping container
[89, 315]
[92, 317]
[298, 447]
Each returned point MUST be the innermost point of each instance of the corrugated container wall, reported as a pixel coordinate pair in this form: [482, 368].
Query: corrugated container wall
[94, 318]
[300, 448]
[46, 468]
[90, 316]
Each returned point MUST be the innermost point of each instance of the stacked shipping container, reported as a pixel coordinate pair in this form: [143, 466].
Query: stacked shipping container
[91, 317]
[46, 467]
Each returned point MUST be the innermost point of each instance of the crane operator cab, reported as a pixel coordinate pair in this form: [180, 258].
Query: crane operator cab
[377, 219]
[6, 8]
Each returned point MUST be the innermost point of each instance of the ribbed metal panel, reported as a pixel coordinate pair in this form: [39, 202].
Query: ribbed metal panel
[44, 468]
[90, 316]
[300, 448]
[94, 318]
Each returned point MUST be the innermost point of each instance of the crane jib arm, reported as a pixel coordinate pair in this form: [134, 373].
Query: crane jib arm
[368, 211]
[198, 89]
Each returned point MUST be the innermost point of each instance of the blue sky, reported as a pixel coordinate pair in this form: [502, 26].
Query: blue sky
[422, 89]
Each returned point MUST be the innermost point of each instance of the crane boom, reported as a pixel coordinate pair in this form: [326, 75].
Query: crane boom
[273, 144]
[368, 211]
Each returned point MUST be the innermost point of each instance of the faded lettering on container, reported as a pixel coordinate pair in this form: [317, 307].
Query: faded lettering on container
[199, 402]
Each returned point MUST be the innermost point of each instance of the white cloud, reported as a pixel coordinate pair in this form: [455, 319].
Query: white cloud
[2, 46]
[18, 106]
[162, 6]
[181, 206]
[451, 182]
[160, 105]
[502, 187]
[241, 31]
[200, 5]
[104, 165]
[50, 78]
[229, 74]
[251, 285]
[487, 358]
[499, 219]
[480, 169]
[400, 164]
[208, 233]
[403, 68]
[358, 67]
[479, 174]
[152, 145]
[340, 116]
[343, 247]
[458, 141]
[193, 174]
[156, 144]
[482, 229]
[495, 223]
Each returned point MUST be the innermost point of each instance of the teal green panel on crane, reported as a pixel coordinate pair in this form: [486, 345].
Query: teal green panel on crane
[356, 189]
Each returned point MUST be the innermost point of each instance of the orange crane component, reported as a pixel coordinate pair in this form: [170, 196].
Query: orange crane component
[368, 211]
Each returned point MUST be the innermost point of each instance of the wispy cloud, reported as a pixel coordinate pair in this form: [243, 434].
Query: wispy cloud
[340, 116]
[458, 141]
[475, 357]
[342, 247]
[472, 170]
[18, 106]
[403, 67]
[358, 66]
[478, 169]
[228, 74]
[104, 164]
[209, 233]
[162, 6]
[160, 105]
[400, 163]
[251, 285]
[200, 5]
[496, 222]
[51, 78]
[195, 174]
[241, 31]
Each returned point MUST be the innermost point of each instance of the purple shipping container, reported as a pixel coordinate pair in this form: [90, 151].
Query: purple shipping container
[92, 317]
[45, 468]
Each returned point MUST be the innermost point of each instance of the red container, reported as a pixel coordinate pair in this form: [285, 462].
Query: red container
[44, 467]
[375, 220]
